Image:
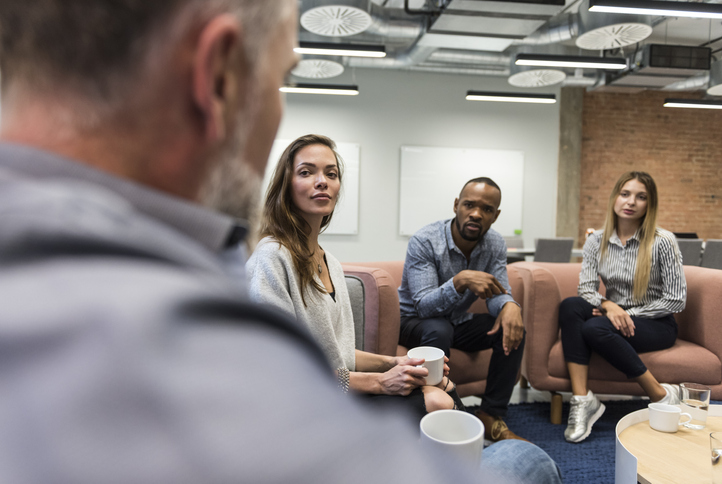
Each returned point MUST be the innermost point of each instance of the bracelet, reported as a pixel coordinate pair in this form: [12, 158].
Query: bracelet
[343, 379]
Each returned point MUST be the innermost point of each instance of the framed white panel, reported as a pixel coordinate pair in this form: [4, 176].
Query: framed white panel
[345, 216]
[431, 178]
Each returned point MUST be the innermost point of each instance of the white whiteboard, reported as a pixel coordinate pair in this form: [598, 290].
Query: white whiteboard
[431, 178]
[345, 216]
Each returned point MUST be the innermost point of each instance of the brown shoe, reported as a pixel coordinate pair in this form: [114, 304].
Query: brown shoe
[495, 429]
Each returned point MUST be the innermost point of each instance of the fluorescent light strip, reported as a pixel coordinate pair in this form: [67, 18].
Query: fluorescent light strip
[339, 52]
[346, 50]
[510, 98]
[321, 89]
[692, 103]
[584, 64]
[652, 7]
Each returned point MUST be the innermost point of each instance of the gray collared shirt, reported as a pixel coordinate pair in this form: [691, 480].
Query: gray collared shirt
[215, 231]
[433, 259]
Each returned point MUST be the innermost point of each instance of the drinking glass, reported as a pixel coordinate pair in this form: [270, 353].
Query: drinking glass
[695, 401]
[715, 447]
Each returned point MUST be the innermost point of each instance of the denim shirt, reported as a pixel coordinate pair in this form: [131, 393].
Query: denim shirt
[433, 259]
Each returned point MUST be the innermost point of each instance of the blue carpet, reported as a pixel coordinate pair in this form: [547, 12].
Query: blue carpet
[590, 461]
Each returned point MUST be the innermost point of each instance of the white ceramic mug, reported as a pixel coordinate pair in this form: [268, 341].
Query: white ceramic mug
[434, 362]
[454, 431]
[666, 418]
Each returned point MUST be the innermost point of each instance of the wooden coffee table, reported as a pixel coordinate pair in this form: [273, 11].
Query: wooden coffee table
[664, 458]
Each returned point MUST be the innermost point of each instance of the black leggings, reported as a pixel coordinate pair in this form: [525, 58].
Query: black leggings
[583, 333]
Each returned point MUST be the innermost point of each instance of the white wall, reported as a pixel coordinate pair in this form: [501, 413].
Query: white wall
[398, 108]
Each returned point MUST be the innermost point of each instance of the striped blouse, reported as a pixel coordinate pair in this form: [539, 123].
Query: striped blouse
[667, 290]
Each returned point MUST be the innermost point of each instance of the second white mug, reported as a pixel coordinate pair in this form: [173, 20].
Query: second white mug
[454, 431]
[666, 418]
[434, 362]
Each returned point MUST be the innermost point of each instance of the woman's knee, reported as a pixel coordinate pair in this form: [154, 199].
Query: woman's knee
[437, 399]
[571, 307]
[597, 328]
[571, 313]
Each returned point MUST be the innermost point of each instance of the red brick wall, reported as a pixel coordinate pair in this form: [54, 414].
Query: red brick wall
[680, 148]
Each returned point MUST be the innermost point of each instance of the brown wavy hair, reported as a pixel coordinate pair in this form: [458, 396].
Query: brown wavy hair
[647, 232]
[283, 221]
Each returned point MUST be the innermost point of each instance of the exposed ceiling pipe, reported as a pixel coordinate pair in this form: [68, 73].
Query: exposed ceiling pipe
[558, 29]
[460, 70]
[415, 55]
[451, 56]
[693, 83]
[396, 30]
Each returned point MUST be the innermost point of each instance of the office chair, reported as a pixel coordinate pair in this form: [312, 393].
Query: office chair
[558, 249]
[691, 250]
[712, 255]
[514, 242]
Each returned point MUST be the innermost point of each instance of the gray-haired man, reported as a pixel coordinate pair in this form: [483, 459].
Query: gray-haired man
[129, 354]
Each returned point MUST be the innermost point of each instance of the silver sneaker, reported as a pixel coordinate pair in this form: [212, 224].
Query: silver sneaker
[583, 413]
[672, 397]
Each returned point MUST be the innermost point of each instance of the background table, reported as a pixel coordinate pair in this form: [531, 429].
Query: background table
[532, 250]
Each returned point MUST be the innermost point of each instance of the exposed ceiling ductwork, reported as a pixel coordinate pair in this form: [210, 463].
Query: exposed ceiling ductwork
[715, 79]
[470, 37]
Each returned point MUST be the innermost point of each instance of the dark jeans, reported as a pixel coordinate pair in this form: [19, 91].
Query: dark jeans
[583, 333]
[470, 336]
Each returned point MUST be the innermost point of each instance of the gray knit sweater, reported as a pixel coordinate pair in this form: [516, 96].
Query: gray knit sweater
[273, 280]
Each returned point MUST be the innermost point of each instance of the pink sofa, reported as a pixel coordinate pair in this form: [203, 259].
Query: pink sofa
[468, 370]
[695, 357]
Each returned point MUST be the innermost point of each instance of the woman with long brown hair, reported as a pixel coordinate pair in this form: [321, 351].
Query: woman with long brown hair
[290, 270]
[641, 267]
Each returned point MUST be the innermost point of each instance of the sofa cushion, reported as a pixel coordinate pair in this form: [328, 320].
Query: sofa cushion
[357, 296]
[684, 361]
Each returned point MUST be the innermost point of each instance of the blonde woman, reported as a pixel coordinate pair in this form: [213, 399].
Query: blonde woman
[291, 271]
[641, 267]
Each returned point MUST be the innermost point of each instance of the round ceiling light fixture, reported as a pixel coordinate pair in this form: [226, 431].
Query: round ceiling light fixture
[537, 78]
[614, 36]
[317, 69]
[336, 20]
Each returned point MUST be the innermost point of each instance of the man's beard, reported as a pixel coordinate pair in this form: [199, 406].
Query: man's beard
[234, 188]
[464, 236]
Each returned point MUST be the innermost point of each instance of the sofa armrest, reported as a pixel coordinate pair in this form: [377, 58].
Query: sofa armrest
[700, 321]
[541, 314]
[380, 309]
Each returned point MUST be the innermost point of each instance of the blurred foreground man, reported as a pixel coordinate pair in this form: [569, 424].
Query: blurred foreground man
[129, 354]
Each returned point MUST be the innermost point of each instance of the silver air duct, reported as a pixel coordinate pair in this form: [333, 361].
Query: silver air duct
[450, 56]
[559, 29]
[470, 71]
[693, 83]
[416, 55]
[715, 79]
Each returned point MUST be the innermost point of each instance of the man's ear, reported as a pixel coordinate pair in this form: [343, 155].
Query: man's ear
[456, 205]
[498, 212]
[219, 73]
